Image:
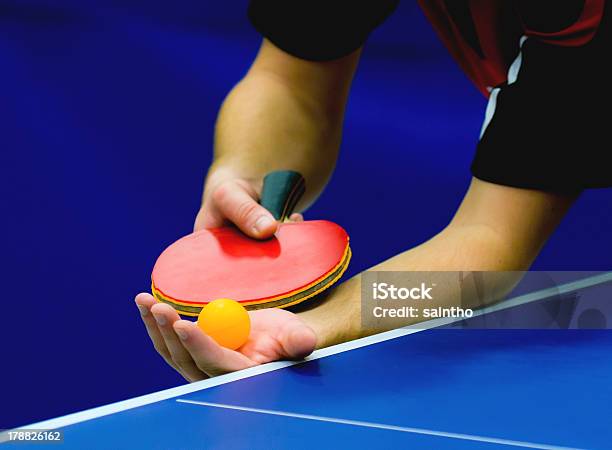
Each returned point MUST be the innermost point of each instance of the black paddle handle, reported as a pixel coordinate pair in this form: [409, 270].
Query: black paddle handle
[281, 191]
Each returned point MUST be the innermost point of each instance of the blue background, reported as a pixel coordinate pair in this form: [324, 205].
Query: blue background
[106, 120]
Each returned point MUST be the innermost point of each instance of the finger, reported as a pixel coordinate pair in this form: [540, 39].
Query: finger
[208, 218]
[297, 339]
[296, 217]
[165, 316]
[144, 302]
[209, 356]
[238, 205]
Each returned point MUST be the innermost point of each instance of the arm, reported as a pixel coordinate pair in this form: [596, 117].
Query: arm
[286, 113]
[496, 228]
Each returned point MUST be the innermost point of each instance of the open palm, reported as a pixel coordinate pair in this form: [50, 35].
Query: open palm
[275, 334]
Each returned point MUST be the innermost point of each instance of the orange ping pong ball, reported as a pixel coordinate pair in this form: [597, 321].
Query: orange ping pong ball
[226, 321]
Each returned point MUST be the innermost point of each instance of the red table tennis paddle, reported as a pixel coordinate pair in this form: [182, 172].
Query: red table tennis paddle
[300, 261]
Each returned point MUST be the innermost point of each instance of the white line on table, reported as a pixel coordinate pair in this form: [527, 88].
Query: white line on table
[381, 426]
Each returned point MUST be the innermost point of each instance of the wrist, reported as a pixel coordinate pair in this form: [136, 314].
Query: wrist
[337, 316]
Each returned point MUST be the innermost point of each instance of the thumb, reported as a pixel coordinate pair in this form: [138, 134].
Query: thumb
[298, 340]
[233, 202]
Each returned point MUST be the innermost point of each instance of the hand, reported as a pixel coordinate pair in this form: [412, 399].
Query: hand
[229, 198]
[275, 334]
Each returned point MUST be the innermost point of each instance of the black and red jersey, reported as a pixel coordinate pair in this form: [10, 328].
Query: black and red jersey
[543, 65]
[484, 35]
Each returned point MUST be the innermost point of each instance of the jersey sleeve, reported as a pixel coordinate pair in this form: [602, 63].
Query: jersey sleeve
[318, 30]
[548, 126]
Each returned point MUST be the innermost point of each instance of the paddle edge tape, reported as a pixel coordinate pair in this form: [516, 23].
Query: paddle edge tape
[282, 301]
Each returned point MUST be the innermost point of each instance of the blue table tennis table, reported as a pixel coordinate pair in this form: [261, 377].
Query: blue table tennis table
[439, 385]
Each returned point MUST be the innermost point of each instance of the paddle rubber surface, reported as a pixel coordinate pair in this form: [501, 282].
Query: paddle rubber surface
[300, 261]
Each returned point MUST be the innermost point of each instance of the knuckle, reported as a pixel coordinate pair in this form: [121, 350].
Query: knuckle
[222, 192]
[246, 210]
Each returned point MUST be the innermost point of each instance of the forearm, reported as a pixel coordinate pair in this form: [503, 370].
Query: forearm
[285, 114]
[457, 248]
[496, 229]
[263, 127]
